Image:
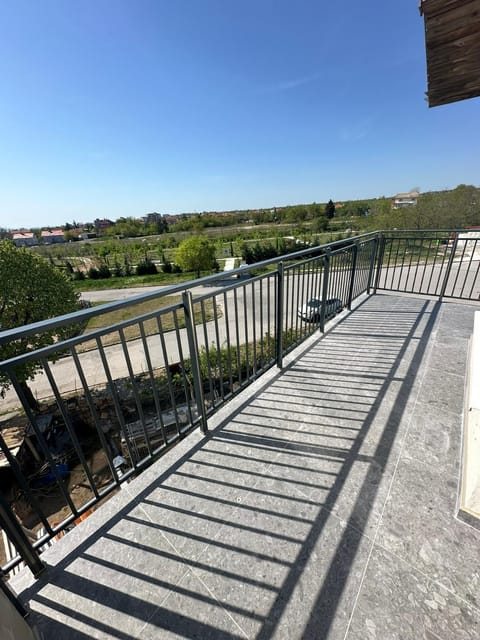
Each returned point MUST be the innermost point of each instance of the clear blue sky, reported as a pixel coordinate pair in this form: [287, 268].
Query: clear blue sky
[114, 108]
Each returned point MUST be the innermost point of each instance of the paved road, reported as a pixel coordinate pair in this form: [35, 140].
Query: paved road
[251, 304]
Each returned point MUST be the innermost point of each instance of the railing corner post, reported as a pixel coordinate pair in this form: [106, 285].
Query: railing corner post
[194, 358]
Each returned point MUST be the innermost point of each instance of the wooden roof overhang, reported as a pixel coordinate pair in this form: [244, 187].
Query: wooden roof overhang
[452, 41]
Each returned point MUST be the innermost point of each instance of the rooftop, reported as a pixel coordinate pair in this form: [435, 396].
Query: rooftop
[322, 504]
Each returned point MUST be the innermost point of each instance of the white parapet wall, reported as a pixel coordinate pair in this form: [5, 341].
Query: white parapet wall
[470, 480]
[12, 625]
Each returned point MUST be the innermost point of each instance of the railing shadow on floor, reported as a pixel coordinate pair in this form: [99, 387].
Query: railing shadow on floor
[238, 450]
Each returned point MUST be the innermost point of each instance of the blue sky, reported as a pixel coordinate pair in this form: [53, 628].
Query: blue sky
[114, 108]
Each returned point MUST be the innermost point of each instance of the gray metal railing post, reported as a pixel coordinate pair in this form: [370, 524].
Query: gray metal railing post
[352, 277]
[326, 268]
[279, 315]
[194, 358]
[372, 264]
[16, 534]
[449, 266]
[381, 251]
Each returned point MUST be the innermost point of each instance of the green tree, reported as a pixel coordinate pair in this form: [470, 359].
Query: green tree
[330, 209]
[31, 290]
[195, 254]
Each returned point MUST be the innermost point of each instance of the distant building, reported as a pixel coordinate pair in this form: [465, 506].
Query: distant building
[101, 225]
[87, 235]
[24, 238]
[152, 218]
[53, 236]
[405, 200]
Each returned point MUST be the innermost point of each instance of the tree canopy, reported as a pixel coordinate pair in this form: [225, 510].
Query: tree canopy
[31, 290]
[330, 209]
[195, 254]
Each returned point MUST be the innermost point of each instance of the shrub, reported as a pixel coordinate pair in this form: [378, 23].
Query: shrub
[146, 268]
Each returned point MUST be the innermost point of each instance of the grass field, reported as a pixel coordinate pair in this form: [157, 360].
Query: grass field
[132, 332]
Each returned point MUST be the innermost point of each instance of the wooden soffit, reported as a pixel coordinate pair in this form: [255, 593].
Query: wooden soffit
[452, 41]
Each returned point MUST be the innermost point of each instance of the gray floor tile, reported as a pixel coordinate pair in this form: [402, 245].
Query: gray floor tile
[191, 611]
[397, 602]
[419, 525]
[285, 562]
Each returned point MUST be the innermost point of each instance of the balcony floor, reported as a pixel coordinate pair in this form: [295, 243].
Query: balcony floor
[323, 505]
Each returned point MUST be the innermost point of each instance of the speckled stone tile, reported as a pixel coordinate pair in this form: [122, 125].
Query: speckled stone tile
[419, 525]
[191, 611]
[290, 558]
[396, 602]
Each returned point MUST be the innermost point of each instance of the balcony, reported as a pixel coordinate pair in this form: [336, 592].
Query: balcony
[321, 501]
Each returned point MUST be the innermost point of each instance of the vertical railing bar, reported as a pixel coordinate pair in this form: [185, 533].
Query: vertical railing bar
[326, 263]
[432, 269]
[344, 275]
[262, 333]
[400, 286]
[151, 375]
[219, 346]
[17, 472]
[269, 316]
[352, 277]
[237, 335]
[254, 332]
[468, 267]
[474, 280]
[286, 293]
[15, 533]
[116, 402]
[426, 264]
[186, 388]
[138, 402]
[279, 315]
[245, 322]
[69, 426]
[315, 291]
[93, 411]
[303, 284]
[395, 262]
[168, 372]
[319, 279]
[441, 275]
[194, 359]
[294, 281]
[410, 262]
[227, 333]
[449, 266]
[42, 442]
[381, 250]
[207, 351]
[460, 262]
[421, 240]
[298, 279]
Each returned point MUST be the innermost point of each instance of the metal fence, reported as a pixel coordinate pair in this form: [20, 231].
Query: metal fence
[111, 399]
[439, 263]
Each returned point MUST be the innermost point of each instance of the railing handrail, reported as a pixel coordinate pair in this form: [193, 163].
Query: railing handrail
[84, 314]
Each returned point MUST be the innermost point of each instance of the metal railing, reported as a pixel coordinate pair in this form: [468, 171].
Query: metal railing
[114, 398]
[439, 263]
